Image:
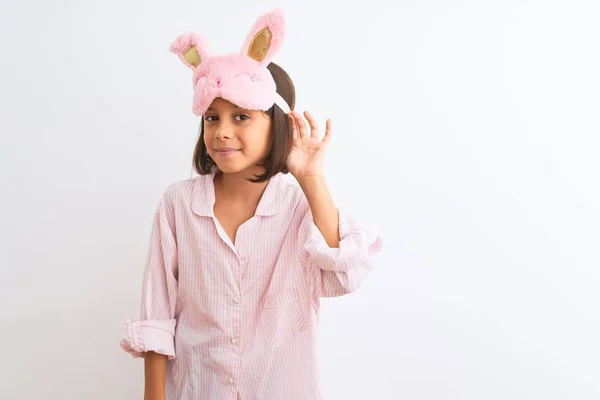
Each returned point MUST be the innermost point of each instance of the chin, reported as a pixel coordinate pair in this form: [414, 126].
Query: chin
[230, 168]
[241, 168]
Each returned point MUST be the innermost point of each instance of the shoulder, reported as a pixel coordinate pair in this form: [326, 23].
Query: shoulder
[180, 193]
[291, 194]
[181, 188]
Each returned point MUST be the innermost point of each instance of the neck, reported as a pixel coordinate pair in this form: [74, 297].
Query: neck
[236, 187]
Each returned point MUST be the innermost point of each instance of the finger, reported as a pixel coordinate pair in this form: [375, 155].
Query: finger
[293, 126]
[301, 125]
[314, 128]
[328, 129]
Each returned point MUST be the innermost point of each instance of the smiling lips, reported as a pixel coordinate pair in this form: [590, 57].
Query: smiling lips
[226, 151]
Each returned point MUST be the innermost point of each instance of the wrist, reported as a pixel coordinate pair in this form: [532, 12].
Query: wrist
[310, 181]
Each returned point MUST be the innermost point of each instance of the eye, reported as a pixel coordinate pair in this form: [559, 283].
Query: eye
[210, 118]
[242, 117]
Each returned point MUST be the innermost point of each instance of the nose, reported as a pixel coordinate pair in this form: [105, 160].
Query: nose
[224, 131]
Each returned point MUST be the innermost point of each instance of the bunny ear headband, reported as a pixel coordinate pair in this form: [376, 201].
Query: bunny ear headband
[242, 78]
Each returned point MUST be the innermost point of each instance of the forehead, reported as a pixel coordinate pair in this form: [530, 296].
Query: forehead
[220, 103]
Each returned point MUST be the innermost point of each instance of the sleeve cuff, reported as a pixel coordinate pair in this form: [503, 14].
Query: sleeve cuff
[358, 240]
[151, 335]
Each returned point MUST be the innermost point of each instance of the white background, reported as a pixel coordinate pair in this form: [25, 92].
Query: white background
[468, 130]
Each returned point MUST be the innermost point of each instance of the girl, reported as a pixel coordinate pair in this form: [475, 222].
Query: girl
[240, 256]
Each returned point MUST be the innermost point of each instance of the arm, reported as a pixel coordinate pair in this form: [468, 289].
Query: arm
[324, 211]
[155, 369]
[152, 337]
[337, 251]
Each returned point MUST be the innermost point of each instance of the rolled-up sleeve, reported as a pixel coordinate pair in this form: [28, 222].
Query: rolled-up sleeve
[156, 328]
[337, 271]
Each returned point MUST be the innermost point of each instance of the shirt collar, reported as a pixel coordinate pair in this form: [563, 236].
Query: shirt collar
[203, 196]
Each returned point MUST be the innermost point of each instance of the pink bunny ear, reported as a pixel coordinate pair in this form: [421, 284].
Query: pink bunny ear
[191, 49]
[265, 37]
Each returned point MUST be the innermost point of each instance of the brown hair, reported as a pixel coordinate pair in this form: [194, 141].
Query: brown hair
[281, 136]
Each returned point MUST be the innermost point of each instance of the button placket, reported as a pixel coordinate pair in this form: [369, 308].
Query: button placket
[234, 338]
[237, 302]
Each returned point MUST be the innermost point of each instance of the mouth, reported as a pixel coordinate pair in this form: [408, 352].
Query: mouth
[226, 151]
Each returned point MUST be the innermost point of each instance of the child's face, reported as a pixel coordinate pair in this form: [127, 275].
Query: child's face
[236, 138]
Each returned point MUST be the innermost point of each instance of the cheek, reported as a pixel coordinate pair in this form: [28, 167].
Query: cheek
[255, 140]
[208, 138]
[265, 137]
[261, 144]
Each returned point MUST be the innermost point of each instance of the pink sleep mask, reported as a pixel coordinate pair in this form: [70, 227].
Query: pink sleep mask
[242, 78]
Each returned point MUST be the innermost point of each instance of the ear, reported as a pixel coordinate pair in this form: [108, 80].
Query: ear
[265, 37]
[191, 49]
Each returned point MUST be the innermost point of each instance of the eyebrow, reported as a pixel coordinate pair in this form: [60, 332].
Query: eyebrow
[234, 106]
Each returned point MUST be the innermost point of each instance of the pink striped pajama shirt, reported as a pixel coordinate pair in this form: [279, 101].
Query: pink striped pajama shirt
[240, 321]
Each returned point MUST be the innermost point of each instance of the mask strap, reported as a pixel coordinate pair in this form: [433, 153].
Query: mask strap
[280, 101]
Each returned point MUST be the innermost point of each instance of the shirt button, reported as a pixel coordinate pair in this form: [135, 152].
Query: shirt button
[234, 340]
[231, 380]
[236, 299]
